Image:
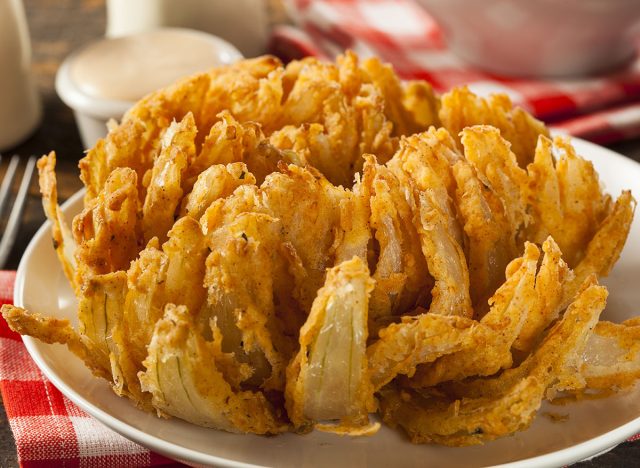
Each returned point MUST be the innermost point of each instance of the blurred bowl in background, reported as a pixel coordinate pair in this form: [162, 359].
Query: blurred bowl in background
[102, 80]
[540, 37]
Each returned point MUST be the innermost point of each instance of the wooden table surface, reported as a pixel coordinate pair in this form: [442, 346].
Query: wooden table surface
[57, 27]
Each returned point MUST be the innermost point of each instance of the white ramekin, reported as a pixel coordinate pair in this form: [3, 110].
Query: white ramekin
[92, 113]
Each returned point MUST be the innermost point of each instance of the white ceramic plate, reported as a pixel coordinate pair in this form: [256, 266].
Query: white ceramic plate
[592, 427]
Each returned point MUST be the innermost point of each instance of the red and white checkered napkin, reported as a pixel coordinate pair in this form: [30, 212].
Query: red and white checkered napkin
[602, 109]
[50, 430]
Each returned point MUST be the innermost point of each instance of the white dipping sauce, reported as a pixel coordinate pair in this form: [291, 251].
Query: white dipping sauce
[127, 68]
[104, 79]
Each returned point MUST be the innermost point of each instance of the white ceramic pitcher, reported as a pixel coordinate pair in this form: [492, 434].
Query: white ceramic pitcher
[20, 107]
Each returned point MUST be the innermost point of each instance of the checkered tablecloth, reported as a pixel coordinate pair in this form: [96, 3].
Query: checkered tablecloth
[50, 430]
[602, 109]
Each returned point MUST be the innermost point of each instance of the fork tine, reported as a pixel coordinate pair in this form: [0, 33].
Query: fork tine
[7, 182]
[11, 230]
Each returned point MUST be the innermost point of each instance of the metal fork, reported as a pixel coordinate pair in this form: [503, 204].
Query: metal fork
[13, 222]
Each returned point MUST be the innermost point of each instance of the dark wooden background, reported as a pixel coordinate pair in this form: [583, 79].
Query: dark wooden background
[57, 27]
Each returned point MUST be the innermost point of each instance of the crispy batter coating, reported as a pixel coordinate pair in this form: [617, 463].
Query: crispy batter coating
[230, 141]
[329, 115]
[62, 239]
[353, 236]
[565, 198]
[182, 376]
[485, 409]
[497, 168]
[549, 289]
[248, 294]
[136, 142]
[401, 347]
[612, 356]
[488, 349]
[412, 107]
[54, 330]
[605, 247]
[420, 166]
[164, 189]
[266, 249]
[216, 182]
[107, 232]
[490, 240]
[401, 274]
[461, 108]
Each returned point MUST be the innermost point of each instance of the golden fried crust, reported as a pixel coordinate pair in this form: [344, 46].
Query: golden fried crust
[488, 348]
[401, 274]
[412, 107]
[108, 230]
[612, 357]
[267, 248]
[461, 108]
[422, 170]
[52, 330]
[490, 240]
[182, 376]
[485, 409]
[164, 191]
[402, 347]
[216, 182]
[248, 295]
[565, 198]
[497, 168]
[604, 248]
[62, 240]
[551, 279]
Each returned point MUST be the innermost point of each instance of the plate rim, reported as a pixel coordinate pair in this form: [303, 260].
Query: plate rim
[571, 454]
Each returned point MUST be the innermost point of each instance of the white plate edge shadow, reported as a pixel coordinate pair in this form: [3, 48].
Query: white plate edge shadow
[560, 457]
